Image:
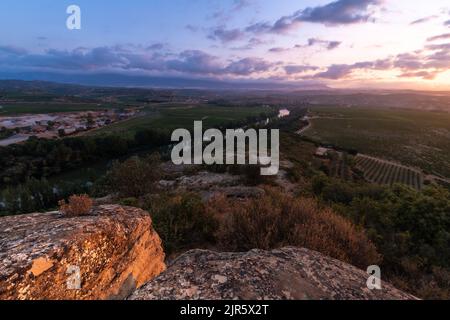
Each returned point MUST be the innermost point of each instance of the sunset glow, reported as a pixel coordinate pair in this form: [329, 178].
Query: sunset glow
[341, 44]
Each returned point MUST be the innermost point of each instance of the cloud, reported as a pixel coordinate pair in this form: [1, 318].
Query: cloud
[330, 45]
[335, 72]
[224, 35]
[295, 69]
[226, 14]
[427, 75]
[192, 28]
[251, 44]
[339, 71]
[447, 23]
[248, 66]
[156, 46]
[133, 59]
[427, 63]
[439, 37]
[340, 12]
[241, 4]
[279, 49]
[423, 20]
[12, 50]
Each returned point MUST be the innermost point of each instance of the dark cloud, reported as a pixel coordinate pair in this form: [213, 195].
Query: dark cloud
[330, 45]
[137, 58]
[339, 71]
[156, 46]
[426, 64]
[279, 49]
[12, 50]
[224, 35]
[251, 44]
[196, 62]
[423, 20]
[408, 61]
[447, 23]
[339, 12]
[439, 37]
[192, 28]
[225, 14]
[335, 72]
[248, 66]
[241, 4]
[295, 69]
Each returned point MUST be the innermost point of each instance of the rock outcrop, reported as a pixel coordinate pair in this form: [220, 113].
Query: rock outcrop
[115, 250]
[289, 273]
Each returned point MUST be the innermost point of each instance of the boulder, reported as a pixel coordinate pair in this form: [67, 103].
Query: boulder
[109, 253]
[288, 273]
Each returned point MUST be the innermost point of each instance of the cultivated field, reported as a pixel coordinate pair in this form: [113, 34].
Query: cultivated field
[414, 138]
[14, 109]
[384, 172]
[174, 117]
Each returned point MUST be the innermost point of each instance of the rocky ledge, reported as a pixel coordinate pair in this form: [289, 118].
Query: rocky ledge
[115, 250]
[288, 273]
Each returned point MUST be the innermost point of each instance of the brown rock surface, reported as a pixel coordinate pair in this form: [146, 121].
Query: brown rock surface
[288, 273]
[115, 249]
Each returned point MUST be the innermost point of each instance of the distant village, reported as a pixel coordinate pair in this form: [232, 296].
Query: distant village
[19, 128]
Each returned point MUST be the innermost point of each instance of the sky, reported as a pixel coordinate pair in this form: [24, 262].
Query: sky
[396, 44]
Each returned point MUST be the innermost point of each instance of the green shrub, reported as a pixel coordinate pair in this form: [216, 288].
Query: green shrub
[134, 177]
[181, 221]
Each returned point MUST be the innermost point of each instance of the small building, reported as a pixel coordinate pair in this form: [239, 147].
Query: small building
[321, 152]
[39, 129]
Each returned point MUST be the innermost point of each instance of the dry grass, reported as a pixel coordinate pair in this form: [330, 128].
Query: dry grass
[78, 205]
[277, 220]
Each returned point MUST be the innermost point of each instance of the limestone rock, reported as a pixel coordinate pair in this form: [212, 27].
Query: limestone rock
[288, 273]
[115, 249]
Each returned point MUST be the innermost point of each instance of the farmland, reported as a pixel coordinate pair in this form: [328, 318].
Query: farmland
[388, 173]
[11, 109]
[173, 117]
[414, 138]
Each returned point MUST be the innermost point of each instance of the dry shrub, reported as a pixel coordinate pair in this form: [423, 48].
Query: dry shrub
[278, 220]
[78, 205]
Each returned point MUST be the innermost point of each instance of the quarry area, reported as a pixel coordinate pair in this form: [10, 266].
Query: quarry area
[49, 126]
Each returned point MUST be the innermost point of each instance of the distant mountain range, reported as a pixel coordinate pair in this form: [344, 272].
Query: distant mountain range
[120, 80]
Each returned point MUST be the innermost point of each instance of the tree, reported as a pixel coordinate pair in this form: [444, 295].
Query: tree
[135, 177]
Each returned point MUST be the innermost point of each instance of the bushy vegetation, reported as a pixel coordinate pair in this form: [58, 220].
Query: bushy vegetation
[278, 220]
[134, 177]
[37, 195]
[78, 205]
[42, 158]
[182, 221]
[409, 227]
[251, 174]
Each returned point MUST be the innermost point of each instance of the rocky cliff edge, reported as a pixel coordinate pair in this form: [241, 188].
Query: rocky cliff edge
[109, 253]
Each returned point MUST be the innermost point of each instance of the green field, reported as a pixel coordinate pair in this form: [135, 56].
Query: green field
[170, 118]
[388, 173]
[416, 138]
[49, 107]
